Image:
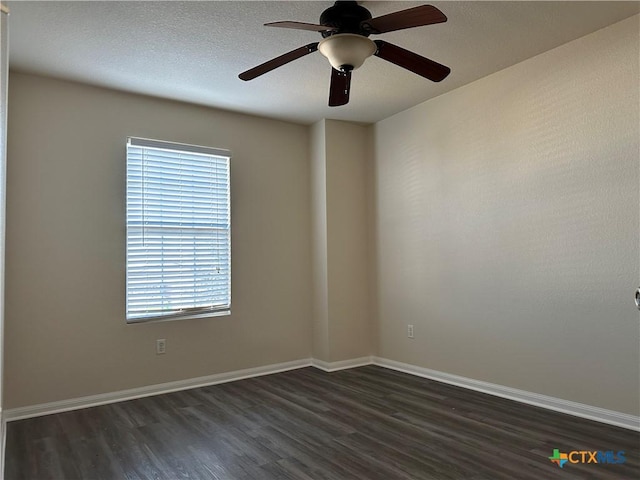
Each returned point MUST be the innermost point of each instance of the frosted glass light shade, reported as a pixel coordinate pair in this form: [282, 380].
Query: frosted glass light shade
[347, 49]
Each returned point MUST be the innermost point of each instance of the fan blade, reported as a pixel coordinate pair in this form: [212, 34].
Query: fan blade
[339, 89]
[301, 26]
[412, 17]
[411, 61]
[278, 61]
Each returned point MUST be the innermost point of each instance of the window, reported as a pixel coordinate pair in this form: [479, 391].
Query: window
[178, 231]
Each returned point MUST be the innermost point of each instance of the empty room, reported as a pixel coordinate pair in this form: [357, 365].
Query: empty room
[315, 240]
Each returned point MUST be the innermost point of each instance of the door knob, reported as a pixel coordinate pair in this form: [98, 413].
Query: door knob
[638, 298]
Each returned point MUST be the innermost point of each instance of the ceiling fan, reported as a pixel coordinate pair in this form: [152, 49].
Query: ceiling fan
[345, 28]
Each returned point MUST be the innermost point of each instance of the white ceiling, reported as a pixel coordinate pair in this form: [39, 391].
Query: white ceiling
[193, 51]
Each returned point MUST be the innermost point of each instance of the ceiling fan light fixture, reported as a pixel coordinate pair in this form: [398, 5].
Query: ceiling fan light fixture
[347, 51]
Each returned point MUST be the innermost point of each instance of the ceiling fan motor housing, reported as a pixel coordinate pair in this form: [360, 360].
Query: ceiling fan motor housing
[345, 17]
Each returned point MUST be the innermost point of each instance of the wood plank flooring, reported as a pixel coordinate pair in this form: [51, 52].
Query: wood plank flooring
[365, 423]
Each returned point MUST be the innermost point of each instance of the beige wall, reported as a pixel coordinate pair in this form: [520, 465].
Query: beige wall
[4, 51]
[507, 225]
[342, 323]
[65, 321]
[347, 242]
[503, 225]
[320, 295]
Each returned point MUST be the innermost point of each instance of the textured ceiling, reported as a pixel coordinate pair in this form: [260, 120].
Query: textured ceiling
[193, 51]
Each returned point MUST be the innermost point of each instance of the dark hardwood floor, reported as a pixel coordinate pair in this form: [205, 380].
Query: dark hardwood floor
[365, 423]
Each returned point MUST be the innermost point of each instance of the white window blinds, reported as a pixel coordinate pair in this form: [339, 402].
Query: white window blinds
[178, 230]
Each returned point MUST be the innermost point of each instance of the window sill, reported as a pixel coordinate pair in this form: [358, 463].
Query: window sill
[219, 313]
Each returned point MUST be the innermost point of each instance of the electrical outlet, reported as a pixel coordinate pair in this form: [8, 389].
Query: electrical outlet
[161, 346]
[410, 331]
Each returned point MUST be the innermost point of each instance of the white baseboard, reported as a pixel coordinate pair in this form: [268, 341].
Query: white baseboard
[147, 391]
[597, 414]
[340, 365]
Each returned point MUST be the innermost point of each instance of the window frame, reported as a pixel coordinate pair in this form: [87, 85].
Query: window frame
[188, 313]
